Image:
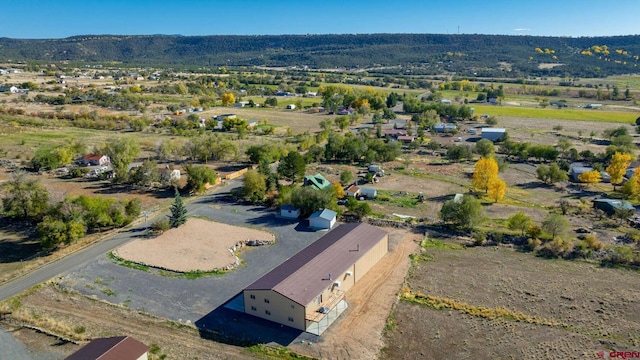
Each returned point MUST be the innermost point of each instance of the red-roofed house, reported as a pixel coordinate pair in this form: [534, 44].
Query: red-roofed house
[94, 160]
[113, 348]
[305, 291]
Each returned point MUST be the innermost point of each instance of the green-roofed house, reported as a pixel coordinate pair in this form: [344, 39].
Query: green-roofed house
[316, 181]
[610, 206]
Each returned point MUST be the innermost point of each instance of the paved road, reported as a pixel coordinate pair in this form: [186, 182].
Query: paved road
[69, 262]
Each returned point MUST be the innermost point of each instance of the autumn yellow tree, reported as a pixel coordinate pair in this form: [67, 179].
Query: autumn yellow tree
[228, 99]
[590, 177]
[619, 164]
[631, 188]
[496, 188]
[486, 169]
[338, 189]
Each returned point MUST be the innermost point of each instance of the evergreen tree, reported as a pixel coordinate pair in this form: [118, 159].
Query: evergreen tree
[178, 212]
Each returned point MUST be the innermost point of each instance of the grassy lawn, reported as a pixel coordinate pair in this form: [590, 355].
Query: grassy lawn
[560, 114]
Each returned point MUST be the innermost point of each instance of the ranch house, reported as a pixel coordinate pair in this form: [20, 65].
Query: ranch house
[307, 291]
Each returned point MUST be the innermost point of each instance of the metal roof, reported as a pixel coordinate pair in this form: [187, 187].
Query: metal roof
[114, 348]
[324, 214]
[305, 275]
[493, 130]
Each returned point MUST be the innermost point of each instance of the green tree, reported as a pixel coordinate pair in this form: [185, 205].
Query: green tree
[485, 148]
[198, 177]
[145, 174]
[465, 214]
[292, 167]
[178, 212]
[458, 152]
[551, 174]
[122, 151]
[346, 176]
[24, 197]
[519, 221]
[255, 186]
[555, 224]
[54, 232]
[309, 200]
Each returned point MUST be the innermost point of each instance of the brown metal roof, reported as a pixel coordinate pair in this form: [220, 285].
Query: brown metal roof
[305, 275]
[114, 348]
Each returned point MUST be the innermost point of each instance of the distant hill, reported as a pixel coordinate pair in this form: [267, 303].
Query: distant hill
[467, 55]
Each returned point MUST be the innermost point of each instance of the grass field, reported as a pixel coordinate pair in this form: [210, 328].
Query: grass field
[564, 114]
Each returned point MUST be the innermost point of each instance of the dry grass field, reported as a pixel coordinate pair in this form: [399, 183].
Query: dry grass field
[564, 309]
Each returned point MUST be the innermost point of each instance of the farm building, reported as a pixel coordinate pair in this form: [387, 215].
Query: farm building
[113, 348]
[576, 171]
[394, 133]
[289, 212]
[323, 219]
[307, 292]
[369, 193]
[316, 181]
[168, 174]
[593, 106]
[352, 191]
[406, 139]
[611, 205]
[493, 134]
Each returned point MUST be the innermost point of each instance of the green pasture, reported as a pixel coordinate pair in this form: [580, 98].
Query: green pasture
[592, 115]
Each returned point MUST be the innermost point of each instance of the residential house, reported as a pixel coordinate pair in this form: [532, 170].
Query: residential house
[169, 174]
[94, 160]
[394, 133]
[289, 212]
[316, 181]
[444, 127]
[307, 291]
[323, 219]
[113, 348]
[407, 139]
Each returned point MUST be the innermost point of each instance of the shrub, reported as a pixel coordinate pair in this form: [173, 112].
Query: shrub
[161, 226]
[479, 238]
[533, 243]
[592, 243]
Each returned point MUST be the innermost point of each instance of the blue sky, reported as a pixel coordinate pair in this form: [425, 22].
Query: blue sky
[61, 18]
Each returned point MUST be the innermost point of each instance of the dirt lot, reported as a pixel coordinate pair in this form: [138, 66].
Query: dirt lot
[594, 309]
[99, 319]
[197, 245]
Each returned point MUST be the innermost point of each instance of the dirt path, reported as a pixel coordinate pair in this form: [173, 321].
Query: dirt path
[358, 333]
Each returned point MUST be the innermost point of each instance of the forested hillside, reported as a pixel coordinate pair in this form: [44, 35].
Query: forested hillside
[481, 55]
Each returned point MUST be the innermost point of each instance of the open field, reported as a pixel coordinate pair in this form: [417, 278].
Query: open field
[566, 309]
[594, 115]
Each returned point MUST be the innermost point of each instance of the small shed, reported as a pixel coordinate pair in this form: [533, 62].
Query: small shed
[493, 134]
[289, 212]
[291, 107]
[610, 206]
[353, 191]
[323, 219]
[368, 193]
[444, 127]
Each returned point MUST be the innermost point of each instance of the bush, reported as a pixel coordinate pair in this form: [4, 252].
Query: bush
[533, 243]
[479, 238]
[161, 226]
[592, 243]
[556, 248]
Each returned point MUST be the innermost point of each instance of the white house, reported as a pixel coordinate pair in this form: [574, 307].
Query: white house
[94, 160]
[289, 212]
[168, 174]
[323, 219]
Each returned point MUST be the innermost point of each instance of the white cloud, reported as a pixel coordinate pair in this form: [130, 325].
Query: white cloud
[521, 29]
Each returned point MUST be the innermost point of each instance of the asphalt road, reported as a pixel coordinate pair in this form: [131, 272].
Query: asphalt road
[53, 269]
